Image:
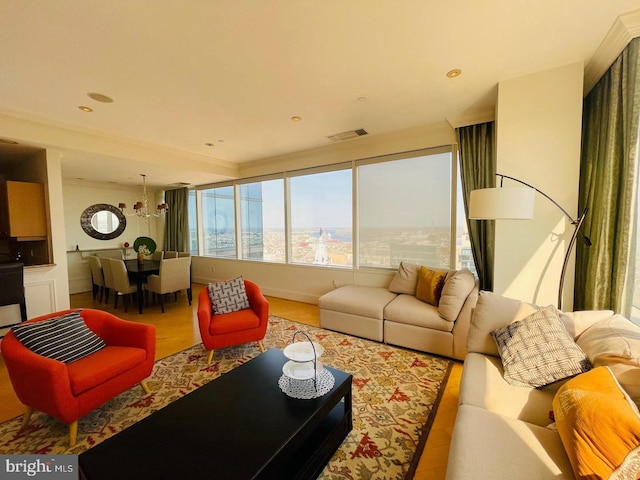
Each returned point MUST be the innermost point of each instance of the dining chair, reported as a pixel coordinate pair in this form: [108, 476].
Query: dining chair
[97, 278]
[108, 277]
[170, 254]
[174, 275]
[157, 255]
[122, 287]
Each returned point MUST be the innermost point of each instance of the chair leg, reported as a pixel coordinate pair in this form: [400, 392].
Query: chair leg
[115, 301]
[107, 291]
[261, 346]
[73, 433]
[210, 356]
[145, 387]
[161, 296]
[189, 294]
[26, 417]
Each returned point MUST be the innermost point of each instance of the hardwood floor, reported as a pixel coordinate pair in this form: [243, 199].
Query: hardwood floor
[177, 329]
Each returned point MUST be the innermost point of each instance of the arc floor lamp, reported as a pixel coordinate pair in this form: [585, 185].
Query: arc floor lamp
[516, 203]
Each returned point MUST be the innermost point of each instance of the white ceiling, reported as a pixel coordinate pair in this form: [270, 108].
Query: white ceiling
[233, 73]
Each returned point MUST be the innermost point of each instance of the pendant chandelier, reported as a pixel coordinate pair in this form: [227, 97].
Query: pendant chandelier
[142, 208]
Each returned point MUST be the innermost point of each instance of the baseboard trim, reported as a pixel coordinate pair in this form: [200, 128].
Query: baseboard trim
[272, 292]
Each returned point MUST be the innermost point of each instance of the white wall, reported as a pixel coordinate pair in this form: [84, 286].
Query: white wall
[538, 141]
[77, 197]
[46, 287]
[428, 136]
[295, 282]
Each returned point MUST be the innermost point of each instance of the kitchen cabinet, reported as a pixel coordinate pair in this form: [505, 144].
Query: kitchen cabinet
[22, 211]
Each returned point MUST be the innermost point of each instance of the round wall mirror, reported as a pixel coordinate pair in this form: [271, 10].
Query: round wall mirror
[103, 221]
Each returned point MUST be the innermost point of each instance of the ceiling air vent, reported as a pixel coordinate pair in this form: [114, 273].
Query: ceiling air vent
[348, 135]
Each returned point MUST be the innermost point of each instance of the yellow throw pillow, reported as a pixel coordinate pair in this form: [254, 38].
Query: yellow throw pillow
[599, 426]
[430, 283]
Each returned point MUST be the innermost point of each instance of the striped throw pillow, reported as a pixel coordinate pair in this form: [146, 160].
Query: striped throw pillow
[66, 338]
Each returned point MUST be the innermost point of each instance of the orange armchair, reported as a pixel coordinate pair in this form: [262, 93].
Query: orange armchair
[68, 391]
[224, 330]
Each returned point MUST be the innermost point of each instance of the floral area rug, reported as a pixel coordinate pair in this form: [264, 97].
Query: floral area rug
[395, 396]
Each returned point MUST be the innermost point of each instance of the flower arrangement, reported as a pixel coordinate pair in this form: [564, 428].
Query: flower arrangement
[144, 250]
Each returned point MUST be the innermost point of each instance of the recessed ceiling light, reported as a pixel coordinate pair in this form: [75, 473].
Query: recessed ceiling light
[85, 109]
[209, 144]
[456, 72]
[221, 141]
[362, 99]
[99, 97]
[296, 119]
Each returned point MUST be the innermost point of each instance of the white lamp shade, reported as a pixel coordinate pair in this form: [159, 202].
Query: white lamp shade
[508, 203]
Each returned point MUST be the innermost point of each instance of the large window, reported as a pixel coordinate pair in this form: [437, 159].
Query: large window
[321, 218]
[262, 214]
[404, 206]
[404, 211]
[218, 222]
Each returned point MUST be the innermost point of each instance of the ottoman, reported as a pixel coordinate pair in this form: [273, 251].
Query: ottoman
[355, 310]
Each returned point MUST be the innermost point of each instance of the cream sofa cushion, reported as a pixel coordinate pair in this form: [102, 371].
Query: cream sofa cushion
[614, 337]
[357, 300]
[409, 310]
[615, 342]
[484, 387]
[492, 446]
[577, 322]
[406, 279]
[457, 288]
[492, 312]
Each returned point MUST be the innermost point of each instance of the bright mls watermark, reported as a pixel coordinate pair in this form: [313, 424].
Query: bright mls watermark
[49, 467]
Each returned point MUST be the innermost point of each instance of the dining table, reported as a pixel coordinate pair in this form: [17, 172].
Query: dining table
[138, 273]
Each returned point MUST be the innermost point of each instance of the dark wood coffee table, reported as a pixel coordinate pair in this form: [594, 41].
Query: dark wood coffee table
[238, 426]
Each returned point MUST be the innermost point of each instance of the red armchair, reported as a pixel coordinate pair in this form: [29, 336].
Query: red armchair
[224, 330]
[70, 391]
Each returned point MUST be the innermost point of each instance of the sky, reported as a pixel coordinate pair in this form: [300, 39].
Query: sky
[388, 191]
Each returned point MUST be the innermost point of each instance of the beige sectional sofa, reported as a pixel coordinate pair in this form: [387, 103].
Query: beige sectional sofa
[503, 431]
[395, 315]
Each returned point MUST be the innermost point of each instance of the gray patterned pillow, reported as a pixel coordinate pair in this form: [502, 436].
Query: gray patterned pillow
[538, 350]
[229, 296]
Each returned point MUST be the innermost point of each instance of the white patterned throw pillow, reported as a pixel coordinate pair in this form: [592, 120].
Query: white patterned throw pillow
[229, 296]
[538, 350]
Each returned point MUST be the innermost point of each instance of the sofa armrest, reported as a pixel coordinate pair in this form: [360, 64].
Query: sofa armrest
[31, 374]
[205, 310]
[258, 302]
[461, 327]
